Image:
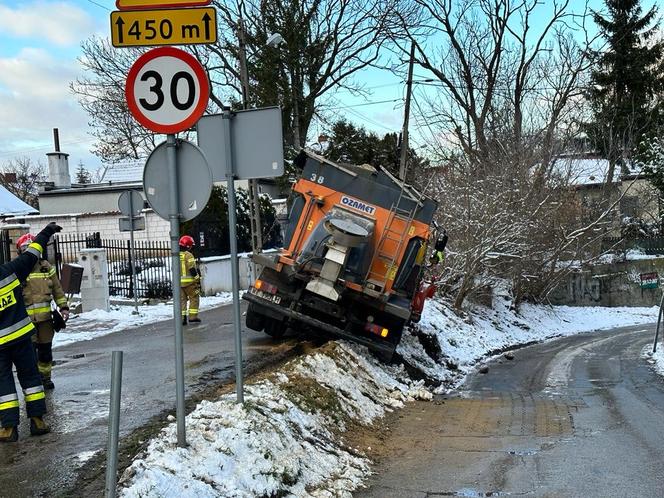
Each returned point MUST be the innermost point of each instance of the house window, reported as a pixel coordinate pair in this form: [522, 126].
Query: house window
[629, 206]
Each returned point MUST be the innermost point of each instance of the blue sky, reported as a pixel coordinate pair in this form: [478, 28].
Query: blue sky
[39, 44]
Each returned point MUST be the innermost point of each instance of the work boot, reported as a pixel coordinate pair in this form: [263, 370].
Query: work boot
[184, 320]
[47, 383]
[38, 427]
[8, 434]
[195, 320]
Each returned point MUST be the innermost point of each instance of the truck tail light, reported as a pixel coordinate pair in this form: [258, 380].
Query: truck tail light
[265, 287]
[376, 329]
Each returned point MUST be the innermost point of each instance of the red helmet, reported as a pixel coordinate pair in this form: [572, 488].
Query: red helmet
[24, 240]
[187, 241]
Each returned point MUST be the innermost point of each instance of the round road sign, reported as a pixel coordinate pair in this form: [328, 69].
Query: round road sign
[194, 181]
[130, 203]
[167, 90]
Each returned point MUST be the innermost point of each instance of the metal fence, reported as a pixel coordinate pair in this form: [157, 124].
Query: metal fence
[151, 260]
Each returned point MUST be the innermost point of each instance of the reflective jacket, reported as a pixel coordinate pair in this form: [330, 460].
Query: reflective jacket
[15, 324]
[188, 271]
[39, 288]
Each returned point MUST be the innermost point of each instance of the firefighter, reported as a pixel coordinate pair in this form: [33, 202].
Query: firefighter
[16, 348]
[190, 281]
[438, 256]
[39, 288]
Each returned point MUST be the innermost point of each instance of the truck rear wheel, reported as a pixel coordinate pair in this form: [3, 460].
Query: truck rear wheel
[275, 328]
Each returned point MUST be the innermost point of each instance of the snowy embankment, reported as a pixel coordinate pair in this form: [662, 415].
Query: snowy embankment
[96, 323]
[288, 438]
[655, 359]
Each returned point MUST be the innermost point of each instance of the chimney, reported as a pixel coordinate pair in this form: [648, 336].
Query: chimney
[58, 165]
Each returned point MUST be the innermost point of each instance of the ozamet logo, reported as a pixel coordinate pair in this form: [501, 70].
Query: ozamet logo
[359, 205]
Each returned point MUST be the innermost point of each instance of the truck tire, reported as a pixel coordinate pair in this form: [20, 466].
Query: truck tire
[254, 320]
[275, 329]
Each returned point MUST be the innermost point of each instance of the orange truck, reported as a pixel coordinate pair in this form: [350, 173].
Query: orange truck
[353, 257]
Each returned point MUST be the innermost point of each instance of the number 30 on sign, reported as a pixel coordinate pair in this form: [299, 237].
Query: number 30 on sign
[167, 90]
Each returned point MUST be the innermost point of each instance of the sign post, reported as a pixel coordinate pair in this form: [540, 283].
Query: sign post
[130, 204]
[167, 91]
[229, 140]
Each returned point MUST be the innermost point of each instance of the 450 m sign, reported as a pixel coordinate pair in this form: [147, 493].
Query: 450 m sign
[167, 90]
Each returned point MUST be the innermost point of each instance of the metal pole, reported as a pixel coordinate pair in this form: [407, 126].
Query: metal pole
[404, 134]
[659, 320]
[254, 199]
[174, 218]
[113, 425]
[132, 253]
[235, 270]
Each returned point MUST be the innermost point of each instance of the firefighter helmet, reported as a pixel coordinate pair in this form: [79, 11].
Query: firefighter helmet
[24, 240]
[187, 241]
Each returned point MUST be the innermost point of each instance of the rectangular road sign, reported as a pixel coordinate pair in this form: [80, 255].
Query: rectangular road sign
[144, 28]
[158, 4]
[256, 142]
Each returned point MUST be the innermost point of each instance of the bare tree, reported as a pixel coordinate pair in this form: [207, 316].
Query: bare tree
[21, 176]
[501, 100]
[326, 43]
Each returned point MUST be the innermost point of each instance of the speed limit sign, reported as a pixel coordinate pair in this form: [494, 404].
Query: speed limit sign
[167, 90]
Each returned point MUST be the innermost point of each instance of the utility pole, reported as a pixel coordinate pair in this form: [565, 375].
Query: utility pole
[404, 133]
[254, 204]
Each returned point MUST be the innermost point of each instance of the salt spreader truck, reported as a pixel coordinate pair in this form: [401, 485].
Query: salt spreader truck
[353, 257]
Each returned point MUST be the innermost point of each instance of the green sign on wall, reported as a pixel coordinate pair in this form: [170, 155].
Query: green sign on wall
[649, 280]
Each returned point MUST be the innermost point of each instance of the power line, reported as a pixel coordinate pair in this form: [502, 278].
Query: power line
[99, 5]
[43, 147]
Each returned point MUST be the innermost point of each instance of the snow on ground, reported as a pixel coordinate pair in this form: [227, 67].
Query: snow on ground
[447, 344]
[655, 359]
[96, 323]
[287, 439]
[284, 440]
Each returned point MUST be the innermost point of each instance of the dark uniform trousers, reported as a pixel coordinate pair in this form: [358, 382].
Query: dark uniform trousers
[22, 355]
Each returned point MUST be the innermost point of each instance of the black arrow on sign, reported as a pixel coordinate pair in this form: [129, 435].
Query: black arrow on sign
[120, 24]
[206, 21]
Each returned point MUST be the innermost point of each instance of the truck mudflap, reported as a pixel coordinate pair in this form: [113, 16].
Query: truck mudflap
[382, 347]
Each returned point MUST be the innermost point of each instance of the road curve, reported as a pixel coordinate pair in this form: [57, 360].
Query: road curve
[581, 416]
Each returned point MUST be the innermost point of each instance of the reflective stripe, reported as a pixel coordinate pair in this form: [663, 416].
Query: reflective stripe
[35, 249]
[33, 390]
[193, 310]
[187, 280]
[17, 330]
[14, 283]
[62, 301]
[43, 304]
[40, 275]
[8, 405]
[7, 280]
[8, 397]
[37, 311]
[35, 397]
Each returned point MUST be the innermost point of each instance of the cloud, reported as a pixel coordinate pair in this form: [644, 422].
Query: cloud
[34, 98]
[60, 23]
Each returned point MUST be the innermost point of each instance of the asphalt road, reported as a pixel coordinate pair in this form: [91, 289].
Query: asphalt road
[578, 417]
[78, 407]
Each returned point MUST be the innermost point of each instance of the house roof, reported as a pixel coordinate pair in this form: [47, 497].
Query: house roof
[587, 171]
[130, 171]
[10, 205]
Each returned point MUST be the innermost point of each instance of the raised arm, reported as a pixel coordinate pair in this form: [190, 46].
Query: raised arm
[22, 265]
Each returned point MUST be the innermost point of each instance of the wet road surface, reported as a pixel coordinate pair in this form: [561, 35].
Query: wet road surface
[78, 407]
[578, 417]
